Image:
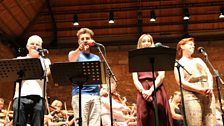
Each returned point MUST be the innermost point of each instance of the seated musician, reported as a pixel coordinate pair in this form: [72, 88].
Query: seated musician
[176, 111]
[59, 117]
[121, 111]
[4, 115]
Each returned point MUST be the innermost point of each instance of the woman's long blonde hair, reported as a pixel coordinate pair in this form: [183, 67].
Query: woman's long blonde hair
[140, 40]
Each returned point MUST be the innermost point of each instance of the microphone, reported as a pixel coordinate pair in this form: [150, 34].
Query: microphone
[202, 51]
[95, 44]
[41, 50]
[158, 44]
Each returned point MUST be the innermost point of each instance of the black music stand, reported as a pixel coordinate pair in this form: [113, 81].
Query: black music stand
[78, 73]
[18, 70]
[160, 59]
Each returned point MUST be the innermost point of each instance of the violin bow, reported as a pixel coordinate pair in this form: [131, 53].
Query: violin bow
[66, 111]
[7, 114]
[48, 110]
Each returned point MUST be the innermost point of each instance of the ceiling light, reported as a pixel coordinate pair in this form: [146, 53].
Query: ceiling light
[75, 20]
[111, 17]
[221, 12]
[152, 16]
[186, 14]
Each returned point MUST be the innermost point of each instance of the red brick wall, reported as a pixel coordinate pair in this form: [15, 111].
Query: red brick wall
[6, 88]
[117, 57]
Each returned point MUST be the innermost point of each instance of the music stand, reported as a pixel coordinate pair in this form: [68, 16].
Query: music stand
[160, 59]
[78, 73]
[18, 70]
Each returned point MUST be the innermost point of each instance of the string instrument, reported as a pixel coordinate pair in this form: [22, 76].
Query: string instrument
[123, 101]
[53, 111]
[117, 97]
[6, 115]
[59, 113]
[9, 113]
[65, 114]
[130, 109]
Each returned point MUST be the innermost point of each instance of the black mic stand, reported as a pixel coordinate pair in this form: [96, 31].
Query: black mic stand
[110, 74]
[45, 80]
[181, 90]
[217, 77]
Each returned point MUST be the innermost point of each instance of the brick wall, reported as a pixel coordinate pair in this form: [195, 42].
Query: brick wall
[117, 57]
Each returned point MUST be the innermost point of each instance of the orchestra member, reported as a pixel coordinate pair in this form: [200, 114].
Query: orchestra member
[59, 117]
[176, 111]
[121, 112]
[4, 115]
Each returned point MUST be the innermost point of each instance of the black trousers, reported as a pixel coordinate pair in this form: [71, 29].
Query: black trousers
[31, 110]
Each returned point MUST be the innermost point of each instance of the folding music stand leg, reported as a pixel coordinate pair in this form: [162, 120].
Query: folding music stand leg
[20, 82]
[80, 84]
[152, 60]
[21, 74]
[80, 105]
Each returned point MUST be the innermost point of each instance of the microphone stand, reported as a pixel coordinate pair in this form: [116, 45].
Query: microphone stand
[181, 90]
[45, 79]
[217, 77]
[110, 74]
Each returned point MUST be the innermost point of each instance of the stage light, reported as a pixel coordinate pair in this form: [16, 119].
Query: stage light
[152, 16]
[75, 20]
[186, 14]
[111, 17]
[221, 12]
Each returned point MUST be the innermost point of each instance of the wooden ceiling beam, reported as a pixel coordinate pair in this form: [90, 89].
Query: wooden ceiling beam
[24, 11]
[12, 15]
[135, 7]
[4, 26]
[172, 39]
[23, 38]
[136, 25]
[31, 4]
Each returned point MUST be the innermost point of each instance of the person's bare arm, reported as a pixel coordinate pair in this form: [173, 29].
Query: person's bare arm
[73, 55]
[187, 85]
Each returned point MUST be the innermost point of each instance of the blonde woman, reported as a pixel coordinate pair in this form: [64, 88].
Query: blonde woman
[144, 83]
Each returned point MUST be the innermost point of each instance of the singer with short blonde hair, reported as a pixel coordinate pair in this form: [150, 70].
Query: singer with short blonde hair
[90, 92]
